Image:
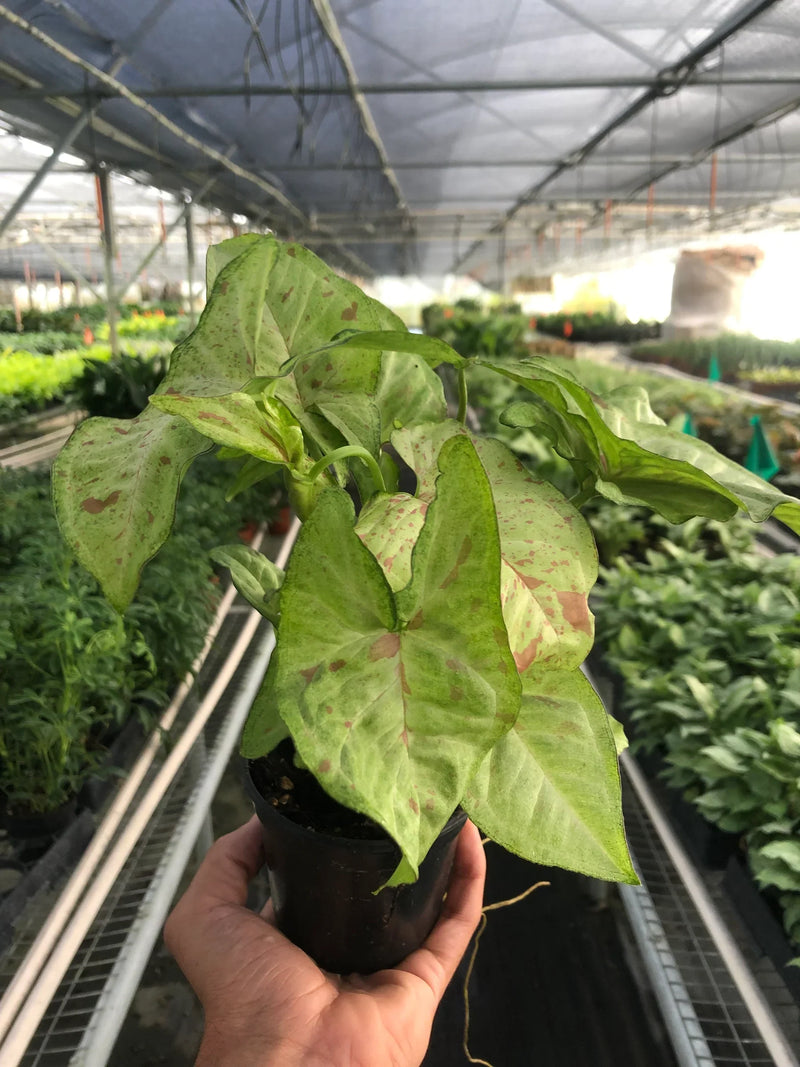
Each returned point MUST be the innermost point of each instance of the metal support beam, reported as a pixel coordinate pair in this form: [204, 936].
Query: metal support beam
[673, 77]
[161, 242]
[106, 220]
[330, 26]
[665, 82]
[190, 261]
[47, 166]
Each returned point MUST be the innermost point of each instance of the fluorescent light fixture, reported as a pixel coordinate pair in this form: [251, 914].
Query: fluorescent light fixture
[240, 220]
[68, 158]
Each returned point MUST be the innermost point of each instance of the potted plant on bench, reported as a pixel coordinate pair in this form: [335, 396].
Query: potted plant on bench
[429, 643]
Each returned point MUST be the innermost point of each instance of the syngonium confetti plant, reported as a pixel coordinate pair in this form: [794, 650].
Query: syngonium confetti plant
[428, 645]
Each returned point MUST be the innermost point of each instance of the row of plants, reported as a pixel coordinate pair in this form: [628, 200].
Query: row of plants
[72, 670]
[737, 355]
[31, 382]
[75, 317]
[501, 332]
[596, 327]
[703, 633]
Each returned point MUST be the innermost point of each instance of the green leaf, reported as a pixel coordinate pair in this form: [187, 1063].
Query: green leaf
[549, 561]
[115, 485]
[220, 255]
[256, 577]
[409, 393]
[433, 350]
[632, 456]
[433, 694]
[269, 302]
[265, 429]
[549, 790]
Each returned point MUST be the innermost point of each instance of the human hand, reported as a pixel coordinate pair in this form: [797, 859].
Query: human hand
[266, 1002]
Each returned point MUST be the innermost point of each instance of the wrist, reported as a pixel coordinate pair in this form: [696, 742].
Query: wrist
[228, 1046]
[223, 1046]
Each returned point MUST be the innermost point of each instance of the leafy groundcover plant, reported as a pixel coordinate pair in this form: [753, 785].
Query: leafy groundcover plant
[428, 644]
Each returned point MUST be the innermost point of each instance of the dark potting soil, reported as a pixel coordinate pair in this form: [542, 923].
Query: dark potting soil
[297, 795]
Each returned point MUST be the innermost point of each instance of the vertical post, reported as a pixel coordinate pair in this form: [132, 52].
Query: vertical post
[187, 217]
[712, 192]
[607, 221]
[17, 311]
[501, 260]
[651, 199]
[106, 222]
[28, 283]
[60, 285]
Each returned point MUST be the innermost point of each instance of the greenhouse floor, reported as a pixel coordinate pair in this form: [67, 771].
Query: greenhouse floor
[557, 980]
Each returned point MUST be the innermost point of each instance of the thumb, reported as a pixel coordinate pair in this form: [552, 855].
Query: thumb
[220, 884]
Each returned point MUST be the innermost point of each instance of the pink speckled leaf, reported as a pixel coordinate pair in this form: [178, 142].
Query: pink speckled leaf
[549, 562]
[423, 676]
[270, 302]
[549, 789]
[114, 489]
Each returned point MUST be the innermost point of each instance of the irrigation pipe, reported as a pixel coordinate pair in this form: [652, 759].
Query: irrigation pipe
[70, 940]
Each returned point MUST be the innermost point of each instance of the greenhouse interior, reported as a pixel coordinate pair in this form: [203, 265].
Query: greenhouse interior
[280, 272]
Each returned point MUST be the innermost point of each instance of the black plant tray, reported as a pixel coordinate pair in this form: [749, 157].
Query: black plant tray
[706, 844]
[762, 917]
[121, 754]
[56, 863]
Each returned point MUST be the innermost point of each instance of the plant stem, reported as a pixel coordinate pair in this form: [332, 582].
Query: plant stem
[345, 452]
[462, 396]
[584, 494]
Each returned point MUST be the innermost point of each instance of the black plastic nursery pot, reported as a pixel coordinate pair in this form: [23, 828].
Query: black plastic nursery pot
[324, 886]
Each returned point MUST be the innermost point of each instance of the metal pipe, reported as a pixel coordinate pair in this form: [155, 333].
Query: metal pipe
[46, 167]
[686, 1035]
[678, 74]
[190, 261]
[105, 218]
[19, 1037]
[135, 98]
[164, 232]
[69, 269]
[665, 81]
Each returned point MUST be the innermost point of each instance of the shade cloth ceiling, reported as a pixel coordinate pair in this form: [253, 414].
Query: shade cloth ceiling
[428, 135]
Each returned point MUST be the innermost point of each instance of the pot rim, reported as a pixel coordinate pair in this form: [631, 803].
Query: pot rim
[388, 845]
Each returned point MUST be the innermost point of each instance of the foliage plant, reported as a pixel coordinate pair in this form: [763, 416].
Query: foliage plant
[120, 387]
[429, 643]
[708, 651]
[72, 669]
[596, 327]
[45, 343]
[737, 354]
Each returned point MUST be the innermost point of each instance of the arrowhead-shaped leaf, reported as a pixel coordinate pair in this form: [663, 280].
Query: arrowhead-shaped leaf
[549, 789]
[270, 302]
[633, 457]
[391, 339]
[549, 560]
[266, 430]
[394, 699]
[115, 485]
